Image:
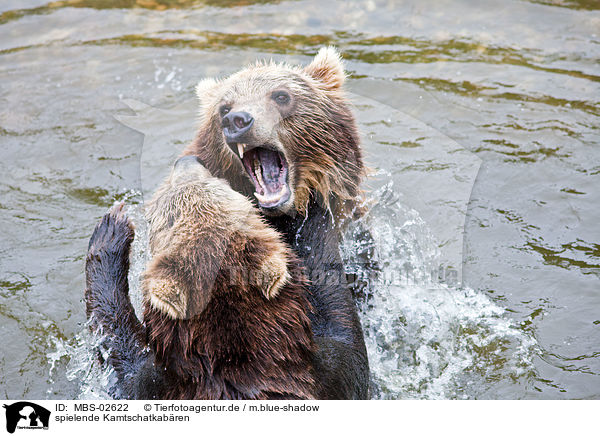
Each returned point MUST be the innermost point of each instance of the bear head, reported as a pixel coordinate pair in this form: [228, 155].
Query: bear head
[204, 238]
[282, 133]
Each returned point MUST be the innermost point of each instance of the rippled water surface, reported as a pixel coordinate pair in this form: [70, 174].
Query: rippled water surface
[480, 121]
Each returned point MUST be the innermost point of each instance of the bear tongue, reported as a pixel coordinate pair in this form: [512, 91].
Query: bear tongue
[271, 169]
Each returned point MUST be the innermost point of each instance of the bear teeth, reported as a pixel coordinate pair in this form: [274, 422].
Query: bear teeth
[258, 174]
[241, 150]
[271, 200]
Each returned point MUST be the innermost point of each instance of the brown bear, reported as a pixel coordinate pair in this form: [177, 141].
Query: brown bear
[283, 136]
[226, 313]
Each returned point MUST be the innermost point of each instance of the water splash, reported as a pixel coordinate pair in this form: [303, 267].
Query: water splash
[139, 256]
[426, 339]
[76, 359]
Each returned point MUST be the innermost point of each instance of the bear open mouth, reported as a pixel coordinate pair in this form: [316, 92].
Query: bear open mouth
[268, 170]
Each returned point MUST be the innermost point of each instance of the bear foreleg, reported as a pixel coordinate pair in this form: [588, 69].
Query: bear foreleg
[110, 312]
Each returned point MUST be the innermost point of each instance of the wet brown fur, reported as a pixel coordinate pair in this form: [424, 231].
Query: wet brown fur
[319, 136]
[213, 331]
[217, 331]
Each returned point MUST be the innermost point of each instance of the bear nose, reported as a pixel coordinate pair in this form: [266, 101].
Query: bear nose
[235, 124]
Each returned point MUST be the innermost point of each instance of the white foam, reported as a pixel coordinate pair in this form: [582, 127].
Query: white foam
[426, 339]
[82, 367]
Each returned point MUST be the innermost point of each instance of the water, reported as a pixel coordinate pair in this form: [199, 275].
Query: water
[480, 121]
[426, 339]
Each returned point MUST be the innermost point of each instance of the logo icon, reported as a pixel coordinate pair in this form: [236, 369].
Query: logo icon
[26, 415]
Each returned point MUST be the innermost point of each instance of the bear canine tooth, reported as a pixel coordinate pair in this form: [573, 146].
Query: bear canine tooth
[241, 150]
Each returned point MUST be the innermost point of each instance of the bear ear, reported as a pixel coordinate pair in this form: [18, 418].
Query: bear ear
[204, 87]
[327, 67]
[274, 274]
[165, 296]
[165, 290]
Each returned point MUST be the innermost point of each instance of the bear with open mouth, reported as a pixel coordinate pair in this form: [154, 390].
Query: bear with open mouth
[285, 137]
[282, 134]
[226, 306]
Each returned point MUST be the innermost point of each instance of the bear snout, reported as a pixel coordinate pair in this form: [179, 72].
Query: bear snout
[236, 125]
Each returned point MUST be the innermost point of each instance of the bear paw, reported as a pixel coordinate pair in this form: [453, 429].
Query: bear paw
[113, 235]
[107, 266]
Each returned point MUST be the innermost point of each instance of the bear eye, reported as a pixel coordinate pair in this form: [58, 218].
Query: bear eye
[224, 110]
[281, 97]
